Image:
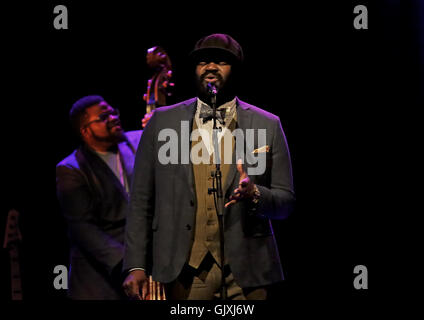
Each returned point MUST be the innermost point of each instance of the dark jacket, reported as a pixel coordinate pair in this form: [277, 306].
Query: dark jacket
[161, 216]
[94, 204]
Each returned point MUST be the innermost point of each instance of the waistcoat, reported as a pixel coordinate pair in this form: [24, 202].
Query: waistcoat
[206, 232]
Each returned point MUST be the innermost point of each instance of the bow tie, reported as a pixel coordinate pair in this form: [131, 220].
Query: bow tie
[206, 114]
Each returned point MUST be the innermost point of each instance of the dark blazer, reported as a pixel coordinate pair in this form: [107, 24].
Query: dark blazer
[161, 217]
[94, 205]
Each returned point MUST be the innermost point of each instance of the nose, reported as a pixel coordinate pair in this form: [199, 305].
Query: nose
[113, 117]
[212, 66]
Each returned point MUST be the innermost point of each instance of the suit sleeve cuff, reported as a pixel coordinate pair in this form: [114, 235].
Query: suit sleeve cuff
[132, 269]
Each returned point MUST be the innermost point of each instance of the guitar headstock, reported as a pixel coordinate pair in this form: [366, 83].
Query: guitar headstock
[12, 233]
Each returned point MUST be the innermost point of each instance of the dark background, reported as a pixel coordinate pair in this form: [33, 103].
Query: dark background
[340, 94]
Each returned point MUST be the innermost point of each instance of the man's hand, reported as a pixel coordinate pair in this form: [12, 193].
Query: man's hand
[135, 282]
[246, 188]
[146, 118]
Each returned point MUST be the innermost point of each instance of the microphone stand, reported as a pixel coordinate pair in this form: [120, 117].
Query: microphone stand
[217, 189]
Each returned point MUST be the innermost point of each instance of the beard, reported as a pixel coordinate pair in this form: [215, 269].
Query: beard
[226, 88]
[118, 136]
[113, 136]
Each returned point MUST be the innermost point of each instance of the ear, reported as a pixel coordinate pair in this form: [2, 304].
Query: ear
[84, 133]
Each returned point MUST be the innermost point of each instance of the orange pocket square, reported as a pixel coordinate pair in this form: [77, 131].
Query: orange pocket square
[261, 149]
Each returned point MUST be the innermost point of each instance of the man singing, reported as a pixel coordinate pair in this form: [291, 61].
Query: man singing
[172, 226]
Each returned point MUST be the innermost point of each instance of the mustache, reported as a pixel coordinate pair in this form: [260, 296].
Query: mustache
[113, 123]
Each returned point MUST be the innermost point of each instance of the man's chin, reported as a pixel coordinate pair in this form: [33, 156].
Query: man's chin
[119, 135]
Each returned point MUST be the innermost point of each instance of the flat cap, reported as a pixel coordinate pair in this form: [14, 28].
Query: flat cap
[217, 45]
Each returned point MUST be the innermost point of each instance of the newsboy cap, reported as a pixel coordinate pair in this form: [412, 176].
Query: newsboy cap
[218, 44]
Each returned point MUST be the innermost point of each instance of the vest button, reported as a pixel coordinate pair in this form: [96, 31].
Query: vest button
[188, 227]
[192, 203]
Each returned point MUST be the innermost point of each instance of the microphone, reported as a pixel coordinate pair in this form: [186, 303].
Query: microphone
[212, 89]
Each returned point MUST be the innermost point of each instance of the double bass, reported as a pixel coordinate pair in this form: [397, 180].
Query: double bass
[159, 88]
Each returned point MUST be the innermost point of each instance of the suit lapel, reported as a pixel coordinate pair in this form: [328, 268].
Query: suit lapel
[244, 121]
[188, 112]
[101, 169]
[127, 160]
